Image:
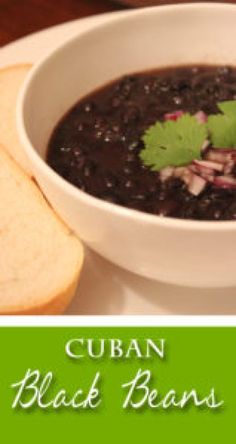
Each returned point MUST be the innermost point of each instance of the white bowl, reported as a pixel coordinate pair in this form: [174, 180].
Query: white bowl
[172, 250]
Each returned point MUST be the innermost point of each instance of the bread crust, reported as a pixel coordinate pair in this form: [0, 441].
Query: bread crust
[52, 304]
[56, 306]
[15, 67]
[11, 80]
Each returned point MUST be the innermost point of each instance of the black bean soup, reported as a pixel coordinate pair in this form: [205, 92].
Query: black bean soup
[96, 145]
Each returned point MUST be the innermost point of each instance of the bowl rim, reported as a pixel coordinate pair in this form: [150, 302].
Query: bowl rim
[67, 187]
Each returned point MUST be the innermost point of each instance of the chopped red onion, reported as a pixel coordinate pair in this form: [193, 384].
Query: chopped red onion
[210, 165]
[179, 172]
[201, 117]
[225, 150]
[196, 185]
[166, 172]
[200, 172]
[187, 176]
[205, 173]
[175, 115]
[220, 155]
[228, 167]
[184, 174]
[225, 182]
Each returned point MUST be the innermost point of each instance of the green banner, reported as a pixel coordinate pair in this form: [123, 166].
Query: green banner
[125, 384]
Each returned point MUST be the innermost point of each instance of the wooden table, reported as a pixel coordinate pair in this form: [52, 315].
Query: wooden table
[21, 17]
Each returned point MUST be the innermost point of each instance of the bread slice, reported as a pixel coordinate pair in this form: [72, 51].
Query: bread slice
[11, 79]
[40, 259]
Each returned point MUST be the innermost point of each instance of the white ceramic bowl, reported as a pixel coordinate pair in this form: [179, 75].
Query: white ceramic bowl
[171, 250]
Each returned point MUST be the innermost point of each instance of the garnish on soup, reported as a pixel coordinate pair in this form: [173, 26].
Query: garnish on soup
[182, 139]
[222, 127]
[173, 142]
[162, 142]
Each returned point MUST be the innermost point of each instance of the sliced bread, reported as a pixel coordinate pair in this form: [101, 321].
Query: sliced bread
[11, 79]
[40, 259]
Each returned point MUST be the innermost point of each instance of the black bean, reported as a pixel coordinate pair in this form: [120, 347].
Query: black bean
[88, 107]
[133, 146]
[140, 196]
[129, 184]
[88, 169]
[177, 100]
[110, 181]
[127, 170]
[80, 127]
[112, 198]
[65, 149]
[131, 157]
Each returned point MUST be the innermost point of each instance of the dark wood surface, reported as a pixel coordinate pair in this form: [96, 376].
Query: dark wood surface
[21, 17]
[138, 3]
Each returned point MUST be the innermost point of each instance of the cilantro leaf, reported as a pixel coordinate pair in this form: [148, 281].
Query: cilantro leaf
[222, 127]
[173, 143]
[228, 107]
